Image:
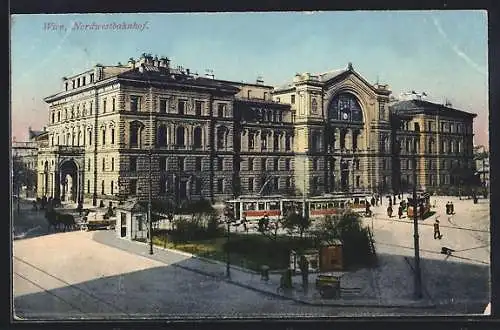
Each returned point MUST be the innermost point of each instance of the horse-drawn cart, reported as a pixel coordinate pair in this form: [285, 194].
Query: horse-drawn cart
[95, 220]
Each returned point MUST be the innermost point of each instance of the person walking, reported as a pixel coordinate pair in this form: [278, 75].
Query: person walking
[452, 208]
[448, 208]
[437, 233]
[304, 270]
[400, 211]
[244, 222]
[389, 211]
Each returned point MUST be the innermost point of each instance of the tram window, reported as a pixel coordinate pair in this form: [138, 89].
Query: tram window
[274, 206]
[261, 206]
[335, 204]
[342, 205]
[356, 200]
[330, 205]
[313, 206]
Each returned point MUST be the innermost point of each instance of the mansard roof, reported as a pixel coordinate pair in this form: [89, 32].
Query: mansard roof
[155, 74]
[415, 107]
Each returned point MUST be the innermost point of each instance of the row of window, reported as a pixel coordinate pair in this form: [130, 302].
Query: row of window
[264, 142]
[445, 127]
[79, 82]
[81, 138]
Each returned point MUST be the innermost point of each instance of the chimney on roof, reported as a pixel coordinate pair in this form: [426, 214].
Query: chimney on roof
[349, 66]
[260, 81]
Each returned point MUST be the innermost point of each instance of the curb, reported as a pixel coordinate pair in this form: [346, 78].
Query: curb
[353, 303]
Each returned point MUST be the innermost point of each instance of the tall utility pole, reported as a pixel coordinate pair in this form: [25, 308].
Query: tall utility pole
[418, 278]
[150, 152]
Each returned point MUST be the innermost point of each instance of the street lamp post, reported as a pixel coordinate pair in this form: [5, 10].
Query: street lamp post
[150, 154]
[418, 279]
[228, 214]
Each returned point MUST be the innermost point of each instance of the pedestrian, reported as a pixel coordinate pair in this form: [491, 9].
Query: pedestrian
[422, 211]
[394, 200]
[244, 222]
[373, 201]
[448, 208]
[452, 208]
[400, 211]
[437, 233]
[389, 211]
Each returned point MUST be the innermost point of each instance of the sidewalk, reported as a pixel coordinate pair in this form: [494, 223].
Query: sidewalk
[358, 289]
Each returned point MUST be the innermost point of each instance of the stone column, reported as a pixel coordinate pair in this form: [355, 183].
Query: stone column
[348, 139]
[336, 134]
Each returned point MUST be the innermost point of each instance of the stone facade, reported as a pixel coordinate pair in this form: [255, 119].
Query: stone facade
[214, 139]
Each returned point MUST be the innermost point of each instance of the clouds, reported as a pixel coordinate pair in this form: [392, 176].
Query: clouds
[457, 51]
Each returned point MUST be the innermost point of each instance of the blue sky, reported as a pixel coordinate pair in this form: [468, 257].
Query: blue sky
[443, 53]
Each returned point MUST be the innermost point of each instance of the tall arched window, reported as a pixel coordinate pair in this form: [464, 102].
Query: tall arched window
[180, 141]
[345, 107]
[314, 106]
[162, 136]
[135, 130]
[112, 187]
[197, 133]
[221, 137]
[103, 136]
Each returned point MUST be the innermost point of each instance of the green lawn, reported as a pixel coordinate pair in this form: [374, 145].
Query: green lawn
[248, 251]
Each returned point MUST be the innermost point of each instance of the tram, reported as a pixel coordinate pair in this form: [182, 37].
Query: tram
[274, 207]
[423, 201]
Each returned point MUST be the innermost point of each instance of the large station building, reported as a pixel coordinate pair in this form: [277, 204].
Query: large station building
[114, 129]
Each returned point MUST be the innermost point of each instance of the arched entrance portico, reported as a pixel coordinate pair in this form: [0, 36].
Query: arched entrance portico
[70, 180]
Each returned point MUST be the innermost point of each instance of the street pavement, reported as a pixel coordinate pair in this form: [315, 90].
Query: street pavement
[97, 275]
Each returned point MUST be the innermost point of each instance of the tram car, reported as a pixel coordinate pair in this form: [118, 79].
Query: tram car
[423, 201]
[253, 208]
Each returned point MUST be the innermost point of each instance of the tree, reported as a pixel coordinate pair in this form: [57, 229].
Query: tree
[294, 220]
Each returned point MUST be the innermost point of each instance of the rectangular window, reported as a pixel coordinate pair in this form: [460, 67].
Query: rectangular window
[90, 109]
[250, 184]
[104, 106]
[276, 183]
[133, 187]
[221, 109]
[198, 186]
[288, 182]
[112, 136]
[220, 164]
[263, 164]
[163, 106]
[220, 185]
[133, 164]
[139, 222]
[251, 141]
[276, 142]
[134, 103]
[91, 77]
[263, 140]
[198, 107]
[287, 143]
[315, 164]
[84, 81]
[357, 181]
[250, 164]
[88, 186]
[293, 99]
[287, 164]
[113, 104]
[180, 164]
[103, 164]
[112, 164]
[198, 163]
[163, 163]
[276, 164]
[181, 107]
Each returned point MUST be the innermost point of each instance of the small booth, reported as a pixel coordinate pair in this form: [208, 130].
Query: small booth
[131, 221]
[330, 257]
[312, 257]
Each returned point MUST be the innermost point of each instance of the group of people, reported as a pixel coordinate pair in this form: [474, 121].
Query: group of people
[450, 210]
[45, 202]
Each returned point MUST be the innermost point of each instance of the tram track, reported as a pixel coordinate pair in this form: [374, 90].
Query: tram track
[76, 290]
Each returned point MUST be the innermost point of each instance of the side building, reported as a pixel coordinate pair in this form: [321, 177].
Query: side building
[435, 138]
